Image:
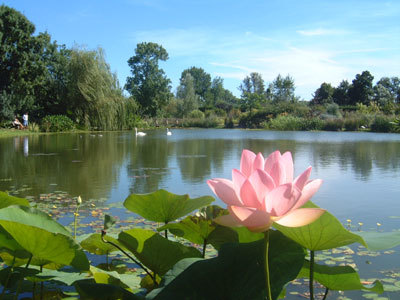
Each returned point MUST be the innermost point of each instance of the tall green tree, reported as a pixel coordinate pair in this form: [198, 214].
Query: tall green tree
[323, 94]
[148, 84]
[189, 100]
[282, 89]
[361, 90]
[393, 85]
[341, 93]
[21, 65]
[253, 90]
[95, 99]
[202, 82]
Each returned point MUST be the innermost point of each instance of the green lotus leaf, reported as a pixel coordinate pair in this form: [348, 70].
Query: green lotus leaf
[67, 277]
[109, 221]
[155, 252]
[222, 235]
[325, 233]
[95, 245]
[9, 277]
[7, 200]
[96, 291]
[338, 278]
[163, 206]
[47, 240]
[237, 273]
[376, 241]
[192, 228]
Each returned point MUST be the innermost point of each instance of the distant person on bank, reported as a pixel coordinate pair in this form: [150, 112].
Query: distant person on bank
[25, 119]
[16, 123]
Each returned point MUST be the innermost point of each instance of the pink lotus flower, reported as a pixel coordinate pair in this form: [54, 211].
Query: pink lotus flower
[263, 192]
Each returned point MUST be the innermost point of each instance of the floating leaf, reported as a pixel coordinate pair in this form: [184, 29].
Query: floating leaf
[154, 251]
[7, 200]
[163, 206]
[237, 273]
[325, 233]
[338, 278]
[109, 221]
[380, 240]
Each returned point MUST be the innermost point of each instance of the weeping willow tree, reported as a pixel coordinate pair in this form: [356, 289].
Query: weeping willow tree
[96, 100]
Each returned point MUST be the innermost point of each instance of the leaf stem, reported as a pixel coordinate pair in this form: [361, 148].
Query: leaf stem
[312, 275]
[20, 281]
[326, 293]
[166, 231]
[204, 247]
[267, 277]
[8, 278]
[103, 233]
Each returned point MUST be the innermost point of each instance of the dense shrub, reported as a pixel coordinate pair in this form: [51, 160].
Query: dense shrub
[333, 124]
[313, 124]
[57, 123]
[382, 124]
[209, 122]
[287, 123]
[256, 119]
[228, 122]
[196, 114]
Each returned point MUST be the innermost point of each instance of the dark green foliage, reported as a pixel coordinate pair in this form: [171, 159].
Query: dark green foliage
[237, 272]
[208, 122]
[287, 123]
[57, 123]
[382, 124]
[333, 124]
[254, 119]
[148, 85]
[201, 81]
[323, 94]
[361, 89]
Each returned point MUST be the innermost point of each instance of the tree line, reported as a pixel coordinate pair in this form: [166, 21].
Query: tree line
[42, 77]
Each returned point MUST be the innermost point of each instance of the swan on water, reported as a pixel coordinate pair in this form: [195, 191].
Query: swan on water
[169, 132]
[139, 133]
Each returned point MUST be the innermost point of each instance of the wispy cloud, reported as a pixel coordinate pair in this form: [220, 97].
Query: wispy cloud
[233, 56]
[322, 32]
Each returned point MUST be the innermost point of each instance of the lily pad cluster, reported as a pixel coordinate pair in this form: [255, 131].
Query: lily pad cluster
[181, 254]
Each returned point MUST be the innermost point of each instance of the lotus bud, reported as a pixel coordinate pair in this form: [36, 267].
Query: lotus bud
[79, 201]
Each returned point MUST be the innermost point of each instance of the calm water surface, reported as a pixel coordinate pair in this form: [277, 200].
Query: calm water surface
[361, 171]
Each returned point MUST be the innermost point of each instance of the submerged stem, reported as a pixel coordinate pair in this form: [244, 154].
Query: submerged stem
[312, 275]
[268, 284]
[103, 233]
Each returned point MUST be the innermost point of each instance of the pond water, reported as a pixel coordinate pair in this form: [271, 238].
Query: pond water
[361, 171]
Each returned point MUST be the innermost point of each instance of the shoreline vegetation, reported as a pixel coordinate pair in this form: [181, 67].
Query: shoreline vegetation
[65, 89]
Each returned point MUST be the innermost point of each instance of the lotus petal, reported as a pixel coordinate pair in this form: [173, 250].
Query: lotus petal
[300, 217]
[224, 189]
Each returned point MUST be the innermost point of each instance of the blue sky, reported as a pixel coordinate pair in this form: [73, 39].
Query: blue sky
[313, 41]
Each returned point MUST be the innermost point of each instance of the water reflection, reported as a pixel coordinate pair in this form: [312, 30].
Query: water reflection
[95, 165]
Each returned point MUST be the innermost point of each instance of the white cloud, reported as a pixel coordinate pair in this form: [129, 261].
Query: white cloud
[233, 56]
[321, 32]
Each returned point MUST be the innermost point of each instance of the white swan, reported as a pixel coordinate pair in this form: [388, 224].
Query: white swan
[169, 132]
[139, 133]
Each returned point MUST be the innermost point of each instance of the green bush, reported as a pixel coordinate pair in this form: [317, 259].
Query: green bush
[287, 123]
[382, 124]
[196, 114]
[56, 123]
[333, 124]
[313, 124]
[254, 119]
[210, 122]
